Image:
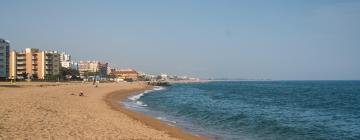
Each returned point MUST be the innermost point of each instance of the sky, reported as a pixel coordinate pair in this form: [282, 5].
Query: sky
[250, 39]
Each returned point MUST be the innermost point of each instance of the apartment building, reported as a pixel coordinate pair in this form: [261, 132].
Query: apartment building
[103, 69]
[74, 65]
[52, 63]
[4, 59]
[33, 63]
[100, 68]
[88, 67]
[65, 60]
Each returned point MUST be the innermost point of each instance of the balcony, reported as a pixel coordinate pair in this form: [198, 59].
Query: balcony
[19, 72]
[21, 63]
[33, 67]
[20, 58]
[20, 67]
[47, 58]
[48, 72]
[21, 53]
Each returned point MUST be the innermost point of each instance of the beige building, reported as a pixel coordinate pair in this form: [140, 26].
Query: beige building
[88, 66]
[34, 63]
[92, 67]
[12, 65]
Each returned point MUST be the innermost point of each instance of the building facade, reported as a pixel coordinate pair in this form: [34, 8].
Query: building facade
[52, 63]
[125, 74]
[65, 60]
[12, 65]
[4, 59]
[103, 69]
[33, 63]
[86, 67]
[74, 65]
[91, 68]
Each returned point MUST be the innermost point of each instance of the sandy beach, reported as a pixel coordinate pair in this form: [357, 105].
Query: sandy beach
[55, 111]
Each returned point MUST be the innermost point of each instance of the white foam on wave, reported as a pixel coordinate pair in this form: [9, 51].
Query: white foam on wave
[132, 105]
[158, 88]
[136, 98]
[141, 103]
[165, 119]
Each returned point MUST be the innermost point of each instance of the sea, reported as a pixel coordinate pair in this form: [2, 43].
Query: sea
[257, 110]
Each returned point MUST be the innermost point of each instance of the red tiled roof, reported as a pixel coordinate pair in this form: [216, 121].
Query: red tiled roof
[125, 72]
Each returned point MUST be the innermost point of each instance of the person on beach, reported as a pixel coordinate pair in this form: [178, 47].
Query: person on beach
[97, 83]
[81, 93]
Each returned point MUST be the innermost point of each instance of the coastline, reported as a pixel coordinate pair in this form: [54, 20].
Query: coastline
[40, 110]
[114, 98]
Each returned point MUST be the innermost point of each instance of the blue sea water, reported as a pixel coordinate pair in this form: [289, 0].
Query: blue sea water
[258, 110]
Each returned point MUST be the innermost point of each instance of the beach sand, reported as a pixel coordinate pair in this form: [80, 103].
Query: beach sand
[55, 111]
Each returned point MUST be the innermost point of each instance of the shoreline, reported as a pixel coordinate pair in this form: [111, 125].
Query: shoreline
[43, 110]
[113, 99]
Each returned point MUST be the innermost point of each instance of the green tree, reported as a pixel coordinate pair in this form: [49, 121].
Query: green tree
[129, 79]
[35, 76]
[67, 72]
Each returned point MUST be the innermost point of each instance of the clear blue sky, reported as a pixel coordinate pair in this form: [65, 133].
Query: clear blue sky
[288, 39]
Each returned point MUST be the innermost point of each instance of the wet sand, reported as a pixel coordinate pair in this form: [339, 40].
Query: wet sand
[113, 100]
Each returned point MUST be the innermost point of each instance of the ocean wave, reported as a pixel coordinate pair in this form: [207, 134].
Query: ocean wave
[158, 88]
[136, 98]
[166, 120]
[141, 103]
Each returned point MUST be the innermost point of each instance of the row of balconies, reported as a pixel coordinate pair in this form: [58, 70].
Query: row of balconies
[48, 67]
[48, 72]
[48, 62]
[23, 67]
[21, 58]
[21, 62]
[20, 67]
[24, 62]
[19, 72]
[21, 54]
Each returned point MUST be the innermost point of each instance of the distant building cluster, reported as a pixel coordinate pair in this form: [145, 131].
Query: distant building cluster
[32, 63]
[36, 64]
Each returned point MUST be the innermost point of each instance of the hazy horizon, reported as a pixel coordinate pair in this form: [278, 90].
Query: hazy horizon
[279, 40]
